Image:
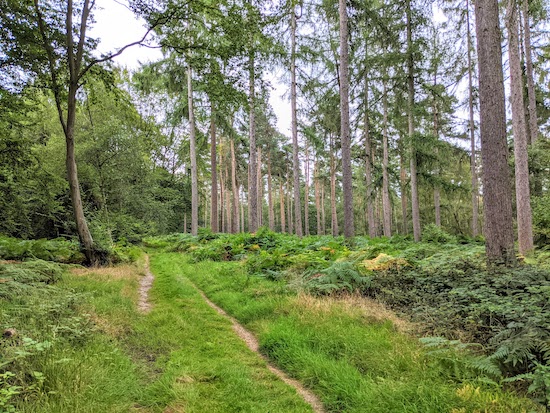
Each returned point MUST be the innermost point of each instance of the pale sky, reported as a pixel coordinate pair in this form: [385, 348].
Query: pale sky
[117, 26]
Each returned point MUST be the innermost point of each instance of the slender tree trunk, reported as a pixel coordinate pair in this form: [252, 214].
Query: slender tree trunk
[386, 204]
[241, 202]
[222, 196]
[473, 169]
[271, 212]
[306, 194]
[317, 198]
[368, 166]
[214, 174]
[295, 159]
[282, 206]
[497, 193]
[334, 214]
[260, 188]
[349, 226]
[235, 190]
[323, 212]
[290, 219]
[253, 178]
[523, 203]
[532, 107]
[403, 188]
[437, 196]
[193, 155]
[410, 81]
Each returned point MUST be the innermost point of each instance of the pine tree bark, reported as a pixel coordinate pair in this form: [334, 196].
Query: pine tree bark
[410, 82]
[214, 173]
[386, 204]
[260, 187]
[532, 99]
[523, 199]
[193, 155]
[349, 226]
[235, 190]
[403, 188]
[437, 195]
[295, 159]
[323, 213]
[271, 212]
[473, 169]
[497, 193]
[253, 178]
[371, 224]
[306, 194]
[334, 215]
[282, 206]
[317, 197]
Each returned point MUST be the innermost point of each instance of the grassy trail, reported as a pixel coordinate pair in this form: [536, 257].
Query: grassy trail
[182, 356]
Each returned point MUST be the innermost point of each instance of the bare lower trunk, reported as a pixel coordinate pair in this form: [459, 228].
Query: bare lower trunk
[235, 190]
[282, 206]
[437, 197]
[334, 214]
[473, 169]
[497, 194]
[410, 109]
[271, 212]
[295, 160]
[289, 219]
[523, 203]
[222, 199]
[349, 226]
[193, 155]
[317, 198]
[252, 190]
[368, 167]
[532, 107]
[306, 195]
[403, 188]
[386, 205]
[214, 173]
[260, 187]
[323, 213]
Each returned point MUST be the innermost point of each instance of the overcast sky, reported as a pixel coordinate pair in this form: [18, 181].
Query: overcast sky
[117, 26]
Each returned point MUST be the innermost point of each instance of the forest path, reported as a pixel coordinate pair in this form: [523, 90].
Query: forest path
[145, 284]
[252, 343]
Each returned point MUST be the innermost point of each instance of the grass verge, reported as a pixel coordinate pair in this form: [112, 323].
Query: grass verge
[81, 346]
[351, 355]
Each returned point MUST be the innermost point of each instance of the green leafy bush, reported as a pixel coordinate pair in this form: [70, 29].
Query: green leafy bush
[339, 277]
[59, 249]
[433, 233]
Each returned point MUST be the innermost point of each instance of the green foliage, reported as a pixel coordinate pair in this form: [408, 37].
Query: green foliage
[339, 277]
[541, 219]
[59, 249]
[433, 233]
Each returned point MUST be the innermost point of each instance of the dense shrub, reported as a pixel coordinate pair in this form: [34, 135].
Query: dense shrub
[59, 249]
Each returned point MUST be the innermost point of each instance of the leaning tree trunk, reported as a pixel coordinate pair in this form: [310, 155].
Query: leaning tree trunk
[523, 200]
[473, 169]
[497, 192]
[349, 226]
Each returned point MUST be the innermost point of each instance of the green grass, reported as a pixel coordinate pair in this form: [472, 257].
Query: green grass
[354, 362]
[181, 357]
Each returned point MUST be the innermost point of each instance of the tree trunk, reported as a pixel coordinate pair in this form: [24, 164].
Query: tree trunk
[386, 204]
[437, 196]
[193, 155]
[403, 188]
[323, 213]
[260, 188]
[473, 169]
[334, 214]
[235, 190]
[271, 212]
[532, 107]
[349, 226]
[214, 173]
[289, 205]
[317, 198]
[306, 194]
[253, 178]
[282, 206]
[222, 196]
[497, 193]
[295, 159]
[410, 81]
[368, 166]
[523, 203]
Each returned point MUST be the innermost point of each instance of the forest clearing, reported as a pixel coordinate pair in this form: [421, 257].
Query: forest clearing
[293, 206]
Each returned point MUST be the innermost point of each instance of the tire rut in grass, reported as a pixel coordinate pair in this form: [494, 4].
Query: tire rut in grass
[252, 343]
[145, 284]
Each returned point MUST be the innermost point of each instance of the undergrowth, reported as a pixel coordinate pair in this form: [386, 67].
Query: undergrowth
[500, 314]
